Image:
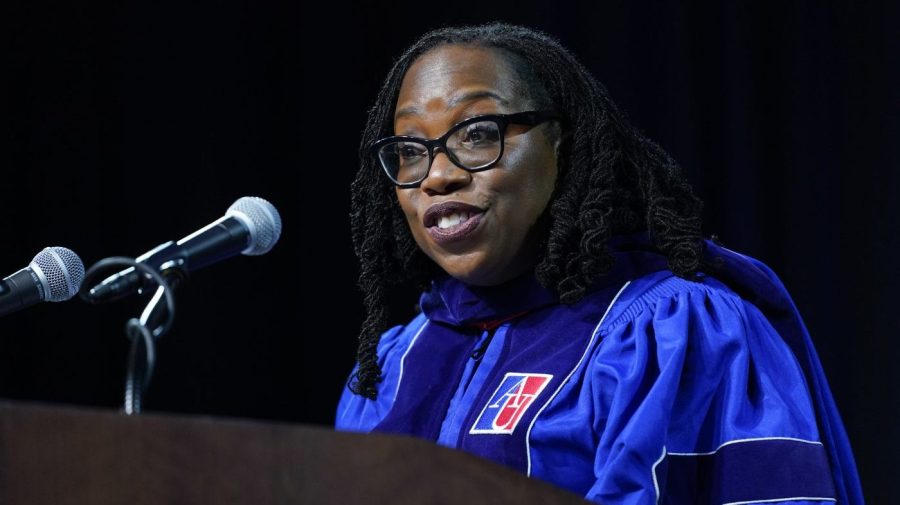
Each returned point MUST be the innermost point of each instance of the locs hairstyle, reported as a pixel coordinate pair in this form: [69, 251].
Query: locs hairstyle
[611, 180]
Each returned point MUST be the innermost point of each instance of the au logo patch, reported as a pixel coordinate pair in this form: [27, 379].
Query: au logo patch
[517, 391]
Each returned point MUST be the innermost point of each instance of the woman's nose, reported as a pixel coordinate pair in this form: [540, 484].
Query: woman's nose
[444, 177]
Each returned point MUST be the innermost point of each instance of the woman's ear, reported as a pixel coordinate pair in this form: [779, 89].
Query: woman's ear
[554, 131]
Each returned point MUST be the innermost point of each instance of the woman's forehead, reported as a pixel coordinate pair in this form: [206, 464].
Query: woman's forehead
[450, 74]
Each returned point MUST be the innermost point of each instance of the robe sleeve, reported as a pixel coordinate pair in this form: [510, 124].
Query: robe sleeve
[699, 400]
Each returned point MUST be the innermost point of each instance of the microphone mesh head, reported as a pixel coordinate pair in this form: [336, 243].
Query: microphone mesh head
[63, 271]
[265, 219]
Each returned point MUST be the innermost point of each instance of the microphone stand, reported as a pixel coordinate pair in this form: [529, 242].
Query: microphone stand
[155, 321]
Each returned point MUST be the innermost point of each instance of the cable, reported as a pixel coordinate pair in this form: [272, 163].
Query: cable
[140, 364]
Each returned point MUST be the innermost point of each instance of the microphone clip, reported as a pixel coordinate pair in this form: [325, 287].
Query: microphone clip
[131, 281]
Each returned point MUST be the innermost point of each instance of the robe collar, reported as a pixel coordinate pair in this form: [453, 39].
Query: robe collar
[455, 303]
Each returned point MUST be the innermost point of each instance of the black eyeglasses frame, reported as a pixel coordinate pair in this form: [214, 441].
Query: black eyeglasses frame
[526, 118]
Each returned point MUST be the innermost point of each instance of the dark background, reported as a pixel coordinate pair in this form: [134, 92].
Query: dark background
[131, 123]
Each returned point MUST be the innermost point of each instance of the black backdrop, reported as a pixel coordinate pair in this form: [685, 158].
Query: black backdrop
[131, 123]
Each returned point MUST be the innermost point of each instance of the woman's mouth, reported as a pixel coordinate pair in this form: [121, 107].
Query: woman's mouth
[452, 221]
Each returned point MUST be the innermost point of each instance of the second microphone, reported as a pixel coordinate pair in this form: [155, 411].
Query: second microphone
[251, 226]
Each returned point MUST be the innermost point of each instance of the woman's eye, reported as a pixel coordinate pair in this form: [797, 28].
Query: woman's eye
[410, 151]
[482, 133]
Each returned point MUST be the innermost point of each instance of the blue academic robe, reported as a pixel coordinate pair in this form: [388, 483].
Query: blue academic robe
[652, 389]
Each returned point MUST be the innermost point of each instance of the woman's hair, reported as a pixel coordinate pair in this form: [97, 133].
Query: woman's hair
[611, 180]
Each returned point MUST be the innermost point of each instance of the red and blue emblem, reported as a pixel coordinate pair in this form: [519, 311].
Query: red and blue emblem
[517, 391]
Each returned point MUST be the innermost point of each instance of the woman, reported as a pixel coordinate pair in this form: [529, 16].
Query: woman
[574, 325]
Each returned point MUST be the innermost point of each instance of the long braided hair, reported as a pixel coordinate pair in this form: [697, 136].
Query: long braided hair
[611, 180]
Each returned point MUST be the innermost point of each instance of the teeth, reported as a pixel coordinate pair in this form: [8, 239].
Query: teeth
[452, 219]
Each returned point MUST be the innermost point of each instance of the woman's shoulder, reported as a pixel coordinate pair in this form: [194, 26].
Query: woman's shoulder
[400, 337]
[356, 413]
[662, 293]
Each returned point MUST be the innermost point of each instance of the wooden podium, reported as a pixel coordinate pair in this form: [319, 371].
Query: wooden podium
[72, 455]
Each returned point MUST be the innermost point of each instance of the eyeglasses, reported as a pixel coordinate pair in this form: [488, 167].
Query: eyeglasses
[474, 144]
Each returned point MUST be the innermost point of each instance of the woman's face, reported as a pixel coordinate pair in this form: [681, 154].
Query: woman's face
[482, 227]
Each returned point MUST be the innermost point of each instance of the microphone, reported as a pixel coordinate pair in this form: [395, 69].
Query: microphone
[54, 275]
[251, 226]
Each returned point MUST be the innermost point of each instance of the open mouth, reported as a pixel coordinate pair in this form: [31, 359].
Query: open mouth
[452, 221]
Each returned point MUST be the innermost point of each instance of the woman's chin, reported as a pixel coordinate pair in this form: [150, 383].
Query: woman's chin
[483, 275]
